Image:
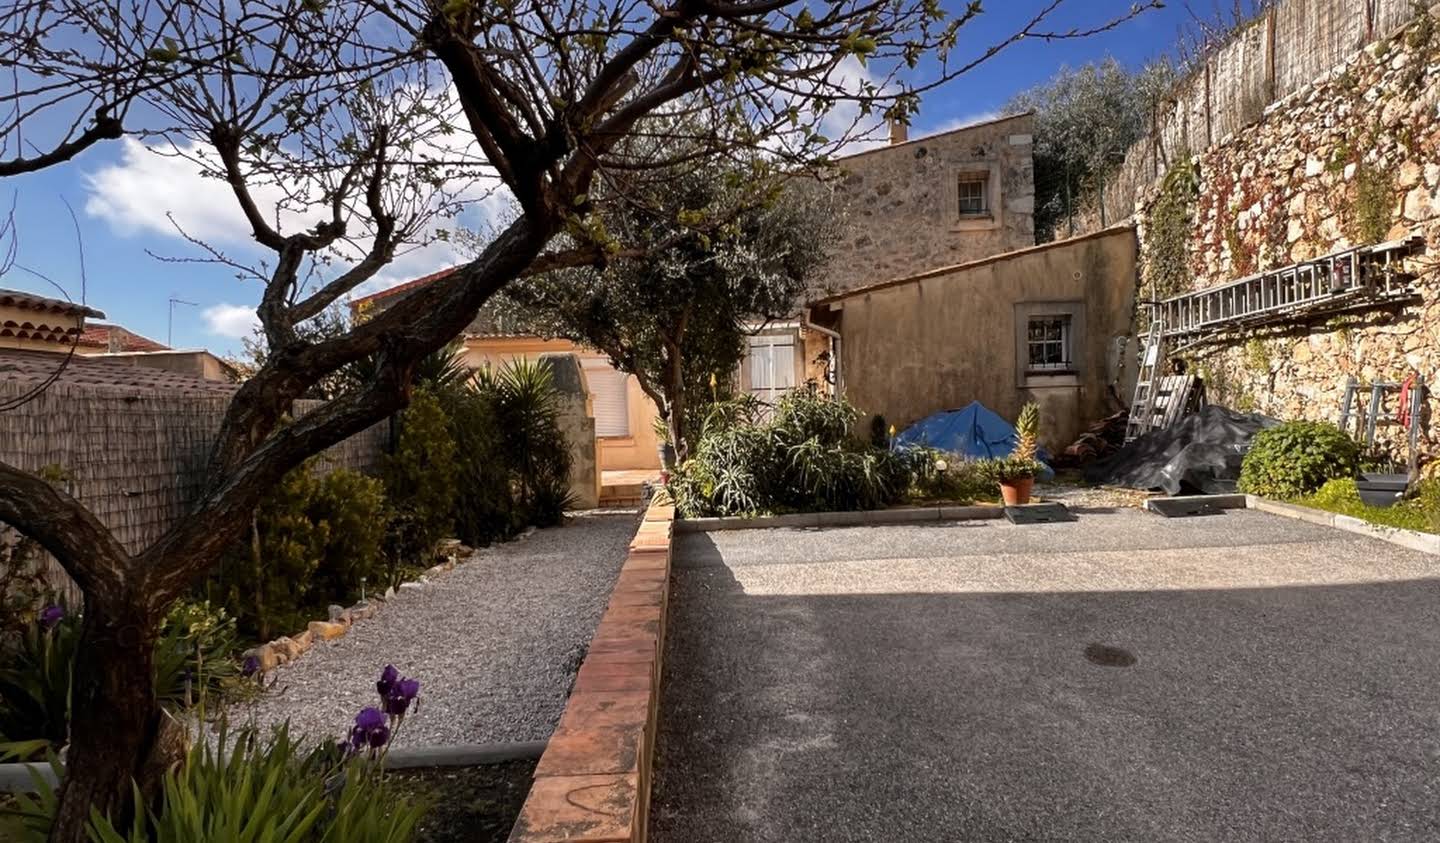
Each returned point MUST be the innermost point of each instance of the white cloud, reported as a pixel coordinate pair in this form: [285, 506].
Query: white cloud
[234, 321]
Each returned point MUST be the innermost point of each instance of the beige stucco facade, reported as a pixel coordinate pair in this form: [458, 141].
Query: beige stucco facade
[944, 338]
[903, 208]
[639, 450]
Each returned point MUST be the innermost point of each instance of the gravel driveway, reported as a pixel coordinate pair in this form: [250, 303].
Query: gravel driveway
[495, 643]
[1123, 677]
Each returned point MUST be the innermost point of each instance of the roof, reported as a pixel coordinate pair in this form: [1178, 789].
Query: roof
[400, 288]
[41, 304]
[958, 129]
[99, 336]
[36, 368]
[947, 270]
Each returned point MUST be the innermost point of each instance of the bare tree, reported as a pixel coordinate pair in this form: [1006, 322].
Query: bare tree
[345, 129]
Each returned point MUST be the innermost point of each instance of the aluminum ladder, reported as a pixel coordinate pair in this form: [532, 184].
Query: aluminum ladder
[1142, 404]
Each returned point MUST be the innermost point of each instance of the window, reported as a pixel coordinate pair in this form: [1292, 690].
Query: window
[1048, 342]
[772, 366]
[974, 194]
[609, 398]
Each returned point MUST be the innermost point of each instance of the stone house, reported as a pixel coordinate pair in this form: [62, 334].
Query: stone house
[956, 196]
[1039, 324]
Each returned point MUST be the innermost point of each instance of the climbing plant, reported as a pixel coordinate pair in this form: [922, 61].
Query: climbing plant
[1168, 231]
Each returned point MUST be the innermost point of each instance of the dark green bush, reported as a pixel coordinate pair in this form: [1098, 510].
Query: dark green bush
[804, 458]
[1297, 458]
[420, 480]
[1419, 512]
[527, 415]
[312, 541]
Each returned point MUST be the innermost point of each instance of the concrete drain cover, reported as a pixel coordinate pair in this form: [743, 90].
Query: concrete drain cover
[1106, 656]
[1183, 508]
[1038, 513]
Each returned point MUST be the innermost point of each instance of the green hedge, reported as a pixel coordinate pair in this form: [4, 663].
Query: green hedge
[1295, 459]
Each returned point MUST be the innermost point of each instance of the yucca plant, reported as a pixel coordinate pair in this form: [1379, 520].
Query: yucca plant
[1027, 432]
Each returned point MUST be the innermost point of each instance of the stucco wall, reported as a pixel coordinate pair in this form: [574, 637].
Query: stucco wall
[901, 203]
[1351, 159]
[953, 336]
[637, 451]
[578, 427]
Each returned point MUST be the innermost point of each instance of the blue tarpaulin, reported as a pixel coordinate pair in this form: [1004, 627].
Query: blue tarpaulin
[976, 431]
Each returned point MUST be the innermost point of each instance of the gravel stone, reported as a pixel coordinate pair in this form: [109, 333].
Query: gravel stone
[495, 643]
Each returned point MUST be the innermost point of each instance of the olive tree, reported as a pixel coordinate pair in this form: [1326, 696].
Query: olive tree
[720, 250]
[346, 131]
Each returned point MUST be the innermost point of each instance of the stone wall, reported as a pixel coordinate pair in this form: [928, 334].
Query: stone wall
[579, 428]
[902, 208]
[1352, 159]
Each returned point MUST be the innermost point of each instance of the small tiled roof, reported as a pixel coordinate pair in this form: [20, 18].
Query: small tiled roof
[102, 374]
[400, 288]
[41, 304]
[99, 336]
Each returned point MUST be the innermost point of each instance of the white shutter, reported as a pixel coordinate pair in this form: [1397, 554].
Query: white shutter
[608, 399]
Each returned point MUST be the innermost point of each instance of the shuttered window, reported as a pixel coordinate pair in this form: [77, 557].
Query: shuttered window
[772, 366]
[608, 398]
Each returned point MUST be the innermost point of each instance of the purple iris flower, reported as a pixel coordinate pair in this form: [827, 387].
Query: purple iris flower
[250, 666]
[51, 616]
[379, 737]
[388, 677]
[369, 719]
[401, 695]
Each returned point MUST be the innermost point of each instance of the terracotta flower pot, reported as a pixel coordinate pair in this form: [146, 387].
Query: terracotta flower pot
[1016, 492]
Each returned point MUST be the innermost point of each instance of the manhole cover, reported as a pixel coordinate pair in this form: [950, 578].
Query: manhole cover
[1107, 656]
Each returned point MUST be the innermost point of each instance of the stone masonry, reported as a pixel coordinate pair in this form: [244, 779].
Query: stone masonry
[902, 212]
[1351, 160]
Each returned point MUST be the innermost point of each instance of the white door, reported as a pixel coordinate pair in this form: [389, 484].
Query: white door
[772, 366]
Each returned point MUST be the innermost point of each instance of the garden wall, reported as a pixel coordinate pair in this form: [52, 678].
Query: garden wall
[1272, 58]
[136, 457]
[1352, 158]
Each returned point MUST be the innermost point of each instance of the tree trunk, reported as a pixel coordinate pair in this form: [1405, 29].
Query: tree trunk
[675, 398]
[115, 719]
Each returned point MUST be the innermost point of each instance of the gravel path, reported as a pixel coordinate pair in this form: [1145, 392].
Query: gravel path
[495, 643]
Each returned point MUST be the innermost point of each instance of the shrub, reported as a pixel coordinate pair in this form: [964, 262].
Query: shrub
[527, 416]
[420, 480]
[1420, 512]
[351, 510]
[484, 511]
[937, 475]
[1297, 458]
[804, 458]
[195, 656]
[311, 542]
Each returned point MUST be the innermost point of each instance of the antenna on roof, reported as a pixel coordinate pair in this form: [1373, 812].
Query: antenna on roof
[170, 321]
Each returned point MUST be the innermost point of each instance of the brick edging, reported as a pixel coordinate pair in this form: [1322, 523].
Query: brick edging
[1409, 539]
[592, 784]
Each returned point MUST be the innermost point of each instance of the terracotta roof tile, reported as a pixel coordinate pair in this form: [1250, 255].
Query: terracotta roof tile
[99, 336]
[30, 301]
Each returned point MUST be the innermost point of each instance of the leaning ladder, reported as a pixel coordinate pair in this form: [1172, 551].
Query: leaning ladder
[1142, 405]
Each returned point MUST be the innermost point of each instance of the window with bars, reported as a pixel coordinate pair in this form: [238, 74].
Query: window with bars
[974, 189]
[1048, 341]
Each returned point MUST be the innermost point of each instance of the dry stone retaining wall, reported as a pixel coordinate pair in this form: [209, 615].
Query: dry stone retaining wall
[1352, 159]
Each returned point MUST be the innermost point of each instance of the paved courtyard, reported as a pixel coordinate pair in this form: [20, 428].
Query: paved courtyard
[1124, 677]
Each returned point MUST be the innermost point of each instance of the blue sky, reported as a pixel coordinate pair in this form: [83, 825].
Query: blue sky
[126, 221]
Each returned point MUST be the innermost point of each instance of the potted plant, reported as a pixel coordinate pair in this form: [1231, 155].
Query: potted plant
[1016, 473]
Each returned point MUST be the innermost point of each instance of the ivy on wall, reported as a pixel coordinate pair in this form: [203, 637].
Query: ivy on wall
[1168, 230]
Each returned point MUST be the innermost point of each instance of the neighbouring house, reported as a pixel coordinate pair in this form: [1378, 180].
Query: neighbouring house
[122, 345]
[910, 206]
[38, 323]
[109, 338]
[1043, 324]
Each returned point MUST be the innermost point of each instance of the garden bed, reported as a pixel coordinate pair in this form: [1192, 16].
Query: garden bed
[469, 804]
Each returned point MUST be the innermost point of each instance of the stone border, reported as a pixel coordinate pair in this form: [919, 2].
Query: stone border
[288, 648]
[1409, 539]
[867, 517]
[592, 784]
